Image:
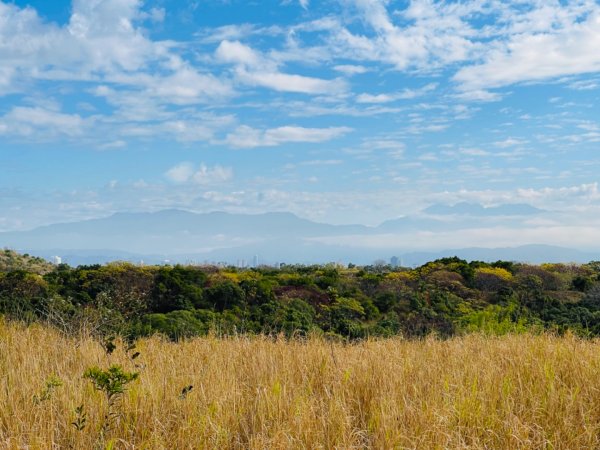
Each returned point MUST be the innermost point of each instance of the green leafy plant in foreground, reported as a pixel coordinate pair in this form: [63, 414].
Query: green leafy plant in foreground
[112, 382]
[80, 418]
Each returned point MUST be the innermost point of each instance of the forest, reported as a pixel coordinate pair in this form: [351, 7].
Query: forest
[446, 297]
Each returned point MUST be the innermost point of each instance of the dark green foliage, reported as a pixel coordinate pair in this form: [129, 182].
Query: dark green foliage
[506, 265]
[22, 294]
[289, 316]
[225, 295]
[176, 324]
[328, 277]
[582, 283]
[344, 317]
[454, 264]
[385, 301]
[177, 288]
[592, 298]
[256, 292]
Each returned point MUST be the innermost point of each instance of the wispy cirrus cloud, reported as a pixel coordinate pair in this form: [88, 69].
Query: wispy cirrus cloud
[255, 69]
[405, 94]
[248, 137]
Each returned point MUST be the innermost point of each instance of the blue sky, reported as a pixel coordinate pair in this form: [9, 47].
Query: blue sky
[341, 111]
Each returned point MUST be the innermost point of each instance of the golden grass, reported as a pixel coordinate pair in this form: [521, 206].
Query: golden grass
[509, 392]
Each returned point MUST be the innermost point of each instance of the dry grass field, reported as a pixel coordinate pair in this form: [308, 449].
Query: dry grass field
[512, 392]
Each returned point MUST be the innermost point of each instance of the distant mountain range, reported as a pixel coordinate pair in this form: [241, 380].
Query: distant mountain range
[477, 210]
[182, 236]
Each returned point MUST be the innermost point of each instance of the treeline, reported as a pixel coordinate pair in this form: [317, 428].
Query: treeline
[446, 297]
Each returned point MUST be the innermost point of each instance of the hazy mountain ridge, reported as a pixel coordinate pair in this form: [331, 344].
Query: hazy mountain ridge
[475, 209]
[183, 236]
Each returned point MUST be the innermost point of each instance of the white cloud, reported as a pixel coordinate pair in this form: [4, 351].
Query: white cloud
[473, 152]
[237, 32]
[236, 52]
[427, 128]
[510, 142]
[199, 127]
[203, 175]
[206, 175]
[186, 86]
[100, 36]
[586, 192]
[7, 80]
[142, 115]
[436, 35]
[40, 123]
[254, 69]
[284, 82]
[102, 42]
[478, 95]
[519, 41]
[228, 32]
[585, 85]
[180, 173]
[565, 43]
[351, 69]
[379, 98]
[406, 94]
[248, 137]
[113, 145]
[321, 162]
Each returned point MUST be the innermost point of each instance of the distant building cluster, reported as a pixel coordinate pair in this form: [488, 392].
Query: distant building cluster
[395, 261]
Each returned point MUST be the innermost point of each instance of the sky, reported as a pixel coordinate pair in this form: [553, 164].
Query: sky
[340, 111]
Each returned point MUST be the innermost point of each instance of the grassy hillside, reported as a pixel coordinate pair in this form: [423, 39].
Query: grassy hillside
[11, 260]
[509, 392]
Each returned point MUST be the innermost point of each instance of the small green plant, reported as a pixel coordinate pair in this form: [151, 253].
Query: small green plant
[80, 418]
[51, 384]
[112, 382]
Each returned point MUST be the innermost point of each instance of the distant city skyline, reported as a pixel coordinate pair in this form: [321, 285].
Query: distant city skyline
[349, 111]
